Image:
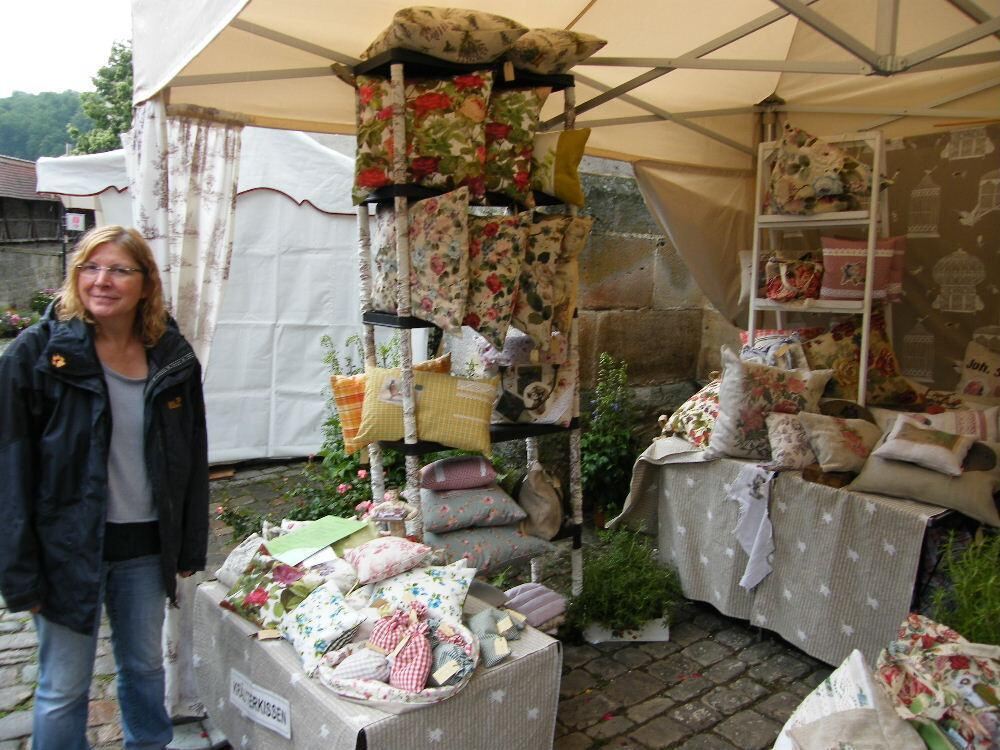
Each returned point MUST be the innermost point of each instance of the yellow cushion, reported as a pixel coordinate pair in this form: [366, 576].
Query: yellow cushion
[555, 163]
[349, 396]
[450, 410]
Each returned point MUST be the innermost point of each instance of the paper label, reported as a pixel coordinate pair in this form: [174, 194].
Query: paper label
[268, 635]
[502, 648]
[399, 646]
[442, 675]
[377, 649]
[259, 705]
[445, 630]
[516, 616]
[504, 624]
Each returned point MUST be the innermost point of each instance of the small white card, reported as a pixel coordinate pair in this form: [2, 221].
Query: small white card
[442, 675]
[504, 624]
[502, 647]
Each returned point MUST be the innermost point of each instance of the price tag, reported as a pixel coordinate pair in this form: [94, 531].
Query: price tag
[502, 647]
[377, 649]
[504, 624]
[442, 675]
[508, 71]
[268, 635]
[399, 646]
[445, 630]
[516, 616]
[413, 617]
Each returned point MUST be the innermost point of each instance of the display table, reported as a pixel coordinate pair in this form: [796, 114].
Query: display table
[512, 705]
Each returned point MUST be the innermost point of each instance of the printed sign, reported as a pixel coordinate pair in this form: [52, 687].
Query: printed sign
[259, 705]
[75, 222]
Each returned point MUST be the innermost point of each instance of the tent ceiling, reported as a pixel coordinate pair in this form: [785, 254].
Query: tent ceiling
[679, 80]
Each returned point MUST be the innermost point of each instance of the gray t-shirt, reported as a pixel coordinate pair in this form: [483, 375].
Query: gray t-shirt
[130, 493]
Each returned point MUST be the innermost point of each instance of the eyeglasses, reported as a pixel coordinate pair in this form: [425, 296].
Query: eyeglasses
[115, 272]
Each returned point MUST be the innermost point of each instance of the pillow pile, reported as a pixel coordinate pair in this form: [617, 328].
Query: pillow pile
[840, 444]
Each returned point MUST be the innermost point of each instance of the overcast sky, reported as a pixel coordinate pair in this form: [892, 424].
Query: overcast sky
[54, 45]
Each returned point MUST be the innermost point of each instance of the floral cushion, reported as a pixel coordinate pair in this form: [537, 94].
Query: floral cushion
[789, 442]
[449, 510]
[811, 176]
[839, 350]
[385, 557]
[456, 34]
[980, 372]
[550, 51]
[445, 132]
[238, 559]
[748, 393]
[489, 549]
[840, 444]
[496, 251]
[981, 424]
[533, 303]
[511, 122]
[924, 446]
[457, 473]
[438, 234]
[555, 164]
[694, 420]
[440, 588]
[268, 589]
[322, 622]
[566, 277]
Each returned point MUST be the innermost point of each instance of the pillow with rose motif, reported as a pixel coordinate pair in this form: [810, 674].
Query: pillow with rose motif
[840, 444]
[385, 557]
[839, 350]
[566, 276]
[553, 51]
[459, 35]
[445, 133]
[238, 559]
[457, 473]
[496, 251]
[924, 446]
[268, 589]
[555, 164]
[694, 420]
[980, 372]
[450, 510]
[789, 442]
[748, 393]
[511, 122]
[533, 303]
[489, 549]
[438, 234]
[981, 424]
[322, 622]
[442, 588]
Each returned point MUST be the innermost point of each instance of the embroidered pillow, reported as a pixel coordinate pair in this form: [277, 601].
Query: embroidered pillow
[924, 446]
[490, 549]
[440, 588]
[438, 234]
[778, 350]
[536, 394]
[457, 473]
[566, 276]
[535, 295]
[496, 251]
[844, 263]
[237, 560]
[511, 122]
[789, 442]
[840, 444]
[551, 51]
[970, 493]
[981, 424]
[555, 164]
[445, 132]
[322, 622]
[980, 372]
[748, 393]
[456, 34]
[385, 557]
[839, 350]
[450, 410]
[694, 420]
[268, 589]
[520, 349]
[450, 510]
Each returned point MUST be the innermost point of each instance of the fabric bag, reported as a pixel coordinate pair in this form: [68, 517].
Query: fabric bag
[540, 495]
[789, 280]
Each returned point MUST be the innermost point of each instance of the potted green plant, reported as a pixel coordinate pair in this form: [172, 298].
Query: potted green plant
[970, 602]
[627, 594]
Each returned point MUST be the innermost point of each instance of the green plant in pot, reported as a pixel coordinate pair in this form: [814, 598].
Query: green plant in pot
[970, 604]
[625, 588]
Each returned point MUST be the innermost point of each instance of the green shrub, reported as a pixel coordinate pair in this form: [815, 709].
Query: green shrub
[41, 298]
[12, 322]
[971, 604]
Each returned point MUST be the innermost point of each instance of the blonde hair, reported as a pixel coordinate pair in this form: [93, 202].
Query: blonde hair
[151, 315]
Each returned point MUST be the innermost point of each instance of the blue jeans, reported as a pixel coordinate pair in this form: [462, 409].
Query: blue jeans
[133, 595]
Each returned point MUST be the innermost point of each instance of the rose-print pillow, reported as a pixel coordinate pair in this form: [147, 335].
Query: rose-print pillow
[445, 133]
[748, 393]
[555, 163]
[385, 557]
[694, 420]
[457, 473]
[496, 251]
[489, 549]
[322, 622]
[789, 442]
[511, 122]
[840, 444]
[268, 589]
[566, 275]
[450, 510]
[438, 233]
[924, 446]
[533, 303]
[553, 51]
[441, 588]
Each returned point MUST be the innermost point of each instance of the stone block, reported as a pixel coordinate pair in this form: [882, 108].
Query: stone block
[577, 656]
[660, 649]
[686, 633]
[14, 725]
[780, 668]
[725, 671]
[633, 657]
[673, 286]
[690, 688]
[779, 706]
[716, 331]
[729, 700]
[28, 639]
[706, 652]
[575, 741]
[696, 716]
[617, 273]
[674, 670]
[605, 668]
[584, 710]
[610, 727]
[736, 638]
[633, 687]
[749, 730]
[617, 206]
[707, 741]
[643, 712]
[660, 733]
[575, 683]
[12, 697]
[758, 652]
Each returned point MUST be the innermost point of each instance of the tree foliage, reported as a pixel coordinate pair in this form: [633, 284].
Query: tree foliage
[109, 106]
[33, 125]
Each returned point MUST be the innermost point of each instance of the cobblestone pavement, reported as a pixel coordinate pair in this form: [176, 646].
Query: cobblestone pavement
[718, 684]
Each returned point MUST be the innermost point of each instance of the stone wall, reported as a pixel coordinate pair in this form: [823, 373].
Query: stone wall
[25, 268]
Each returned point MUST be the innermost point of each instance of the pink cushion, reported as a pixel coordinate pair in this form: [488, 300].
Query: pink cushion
[536, 602]
[458, 473]
[844, 264]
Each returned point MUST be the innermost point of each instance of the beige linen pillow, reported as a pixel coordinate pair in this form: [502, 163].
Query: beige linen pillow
[933, 449]
[840, 444]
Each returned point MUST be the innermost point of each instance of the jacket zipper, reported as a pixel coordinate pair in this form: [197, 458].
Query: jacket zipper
[166, 370]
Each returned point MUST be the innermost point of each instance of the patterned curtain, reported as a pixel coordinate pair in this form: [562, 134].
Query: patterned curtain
[182, 178]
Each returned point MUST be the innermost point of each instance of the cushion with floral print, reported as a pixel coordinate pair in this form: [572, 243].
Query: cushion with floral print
[456, 34]
[566, 278]
[555, 164]
[438, 232]
[385, 557]
[445, 133]
[268, 589]
[840, 444]
[552, 51]
[511, 122]
[839, 350]
[441, 588]
[449, 510]
[789, 442]
[496, 251]
[489, 549]
[694, 420]
[748, 393]
[533, 303]
[322, 622]
[919, 444]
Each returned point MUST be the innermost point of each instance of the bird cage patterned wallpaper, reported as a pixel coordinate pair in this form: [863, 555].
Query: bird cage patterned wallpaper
[946, 199]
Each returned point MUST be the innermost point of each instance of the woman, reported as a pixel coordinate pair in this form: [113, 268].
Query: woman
[105, 484]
